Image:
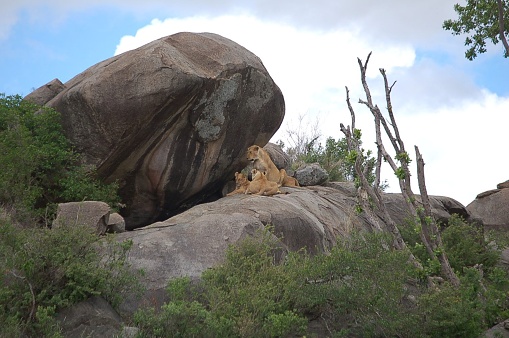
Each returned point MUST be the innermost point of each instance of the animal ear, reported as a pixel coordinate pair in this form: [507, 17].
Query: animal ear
[256, 148]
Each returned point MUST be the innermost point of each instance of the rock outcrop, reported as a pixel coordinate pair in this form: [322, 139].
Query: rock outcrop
[93, 317]
[44, 94]
[94, 214]
[171, 120]
[195, 240]
[492, 207]
[311, 174]
[278, 156]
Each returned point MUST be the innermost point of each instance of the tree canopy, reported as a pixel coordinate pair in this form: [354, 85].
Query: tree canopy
[482, 21]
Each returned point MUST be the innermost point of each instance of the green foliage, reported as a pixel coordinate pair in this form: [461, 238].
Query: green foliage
[37, 164]
[43, 270]
[478, 19]
[466, 246]
[359, 289]
[403, 157]
[447, 312]
[338, 161]
[400, 173]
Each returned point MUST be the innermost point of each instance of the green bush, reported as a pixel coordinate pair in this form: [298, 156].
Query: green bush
[466, 245]
[357, 288]
[38, 166]
[361, 288]
[43, 270]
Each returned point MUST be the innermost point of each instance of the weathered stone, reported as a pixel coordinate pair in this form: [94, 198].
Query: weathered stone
[503, 185]
[195, 240]
[93, 317]
[116, 223]
[278, 156]
[44, 94]
[311, 174]
[91, 213]
[171, 120]
[487, 193]
[492, 209]
[442, 208]
[501, 330]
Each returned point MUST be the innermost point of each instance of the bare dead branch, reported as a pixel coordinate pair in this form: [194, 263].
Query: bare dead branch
[432, 228]
[370, 198]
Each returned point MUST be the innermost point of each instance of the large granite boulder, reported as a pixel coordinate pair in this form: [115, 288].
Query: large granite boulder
[492, 207]
[195, 240]
[171, 120]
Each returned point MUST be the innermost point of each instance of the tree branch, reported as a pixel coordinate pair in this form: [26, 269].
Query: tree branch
[501, 27]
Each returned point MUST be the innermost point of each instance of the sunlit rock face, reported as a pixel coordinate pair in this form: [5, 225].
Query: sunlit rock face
[171, 120]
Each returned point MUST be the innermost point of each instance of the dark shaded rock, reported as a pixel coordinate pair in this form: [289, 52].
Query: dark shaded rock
[93, 317]
[116, 223]
[171, 120]
[503, 185]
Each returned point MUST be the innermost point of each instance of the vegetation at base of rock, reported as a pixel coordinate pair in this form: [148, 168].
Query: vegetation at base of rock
[362, 287]
[43, 270]
[334, 157]
[38, 166]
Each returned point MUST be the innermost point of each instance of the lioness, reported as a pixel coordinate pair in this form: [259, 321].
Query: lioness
[262, 161]
[287, 181]
[261, 186]
[241, 183]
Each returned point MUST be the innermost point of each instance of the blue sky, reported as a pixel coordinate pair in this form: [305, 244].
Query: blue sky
[448, 106]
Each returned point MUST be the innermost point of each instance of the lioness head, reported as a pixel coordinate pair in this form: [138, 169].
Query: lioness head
[252, 153]
[240, 179]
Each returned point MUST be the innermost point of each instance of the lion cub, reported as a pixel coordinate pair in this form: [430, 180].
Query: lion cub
[241, 183]
[287, 181]
[261, 186]
[261, 161]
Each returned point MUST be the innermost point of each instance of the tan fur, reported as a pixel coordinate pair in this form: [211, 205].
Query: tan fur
[287, 181]
[261, 186]
[241, 183]
[262, 161]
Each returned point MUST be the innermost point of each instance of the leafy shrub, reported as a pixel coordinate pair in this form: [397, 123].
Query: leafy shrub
[43, 270]
[466, 245]
[38, 166]
[361, 288]
[357, 288]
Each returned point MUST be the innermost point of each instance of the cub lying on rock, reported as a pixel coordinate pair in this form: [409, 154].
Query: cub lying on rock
[260, 185]
[287, 181]
[241, 183]
[262, 161]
